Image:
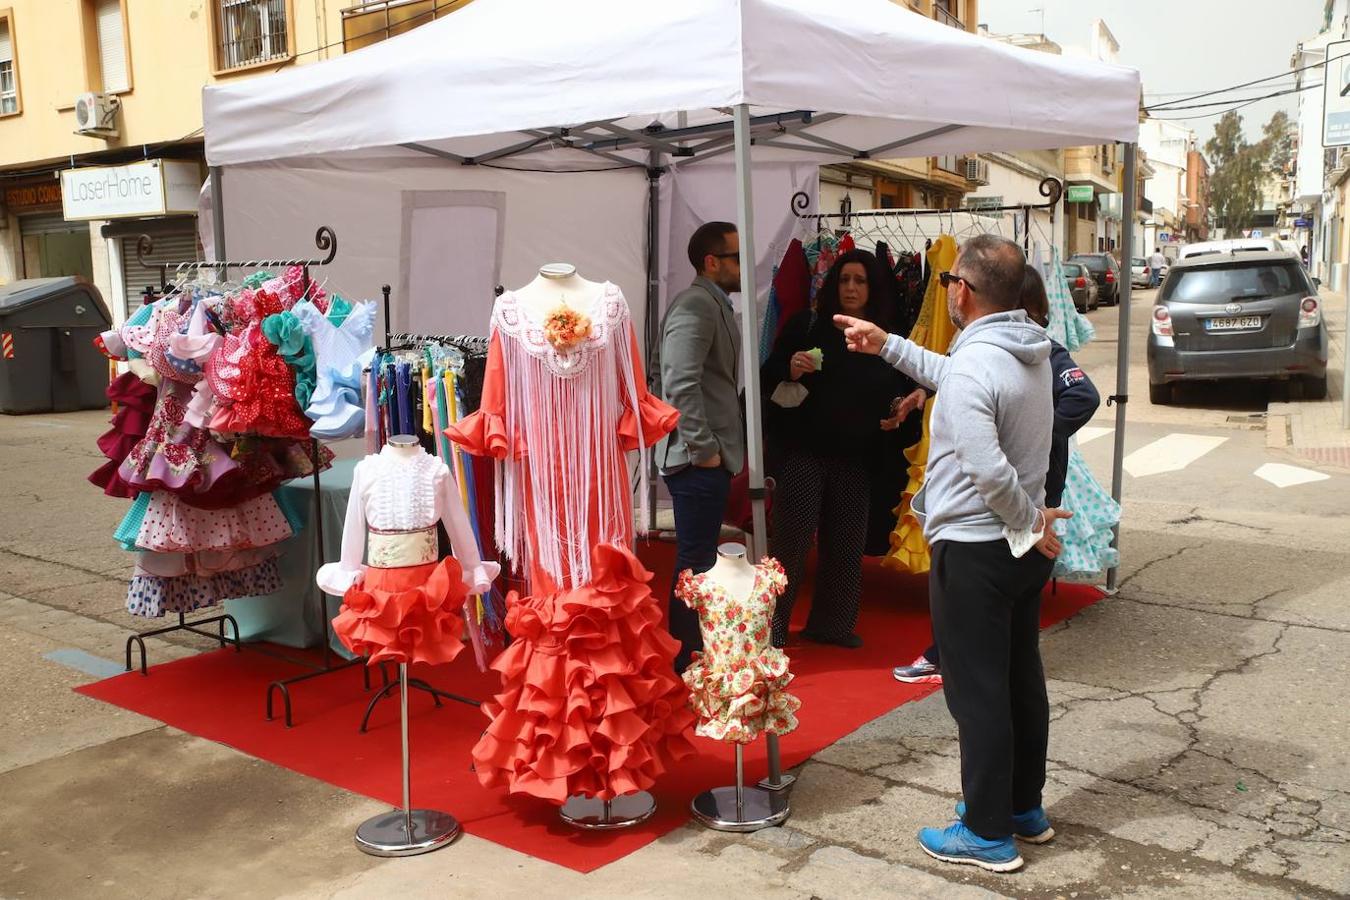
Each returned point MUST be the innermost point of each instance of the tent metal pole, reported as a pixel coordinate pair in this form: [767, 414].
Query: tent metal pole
[757, 544]
[218, 217]
[754, 450]
[1122, 394]
[651, 326]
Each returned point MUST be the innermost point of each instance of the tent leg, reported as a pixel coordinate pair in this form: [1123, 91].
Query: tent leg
[1122, 395]
[754, 446]
[218, 217]
[754, 450]
[652, 326]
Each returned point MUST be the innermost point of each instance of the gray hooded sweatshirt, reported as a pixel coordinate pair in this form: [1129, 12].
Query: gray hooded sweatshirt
[989, 438]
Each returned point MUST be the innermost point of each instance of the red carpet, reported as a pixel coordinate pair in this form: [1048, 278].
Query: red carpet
[220, 695]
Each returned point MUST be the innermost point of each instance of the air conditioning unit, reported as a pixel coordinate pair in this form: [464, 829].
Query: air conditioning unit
[96, 114]
[977, 171]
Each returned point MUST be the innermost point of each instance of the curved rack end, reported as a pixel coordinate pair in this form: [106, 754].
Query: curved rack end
[1052, 189]
[801, 201]
[145, 245]
[326, 239]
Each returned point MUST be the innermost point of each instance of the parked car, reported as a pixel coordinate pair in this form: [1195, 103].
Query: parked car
[1081, 286]
[1139, 272]
[1250, 315]
[1234, 245]
[1105, 271]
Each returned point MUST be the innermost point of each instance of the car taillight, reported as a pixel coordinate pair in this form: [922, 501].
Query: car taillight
[1110, 276]
[1081, 282]
[1162, 322]
[1309, 313]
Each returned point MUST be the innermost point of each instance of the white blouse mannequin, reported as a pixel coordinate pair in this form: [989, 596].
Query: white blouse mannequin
[557, 283]
[732, 571]
[398, 495]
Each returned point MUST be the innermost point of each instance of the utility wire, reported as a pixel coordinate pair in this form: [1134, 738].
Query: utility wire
[1230, 89]
[1244, 100]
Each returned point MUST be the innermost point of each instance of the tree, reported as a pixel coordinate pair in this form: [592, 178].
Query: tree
[1238, 170]
[1278, 141]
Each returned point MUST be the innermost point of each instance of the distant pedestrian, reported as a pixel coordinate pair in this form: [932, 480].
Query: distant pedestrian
[982, 509]
[1305, 255]
[1155, 267]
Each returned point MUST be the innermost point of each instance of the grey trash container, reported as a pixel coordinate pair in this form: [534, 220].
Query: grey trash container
[48, 361]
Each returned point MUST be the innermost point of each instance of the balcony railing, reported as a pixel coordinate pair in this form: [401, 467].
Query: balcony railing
[946, 18]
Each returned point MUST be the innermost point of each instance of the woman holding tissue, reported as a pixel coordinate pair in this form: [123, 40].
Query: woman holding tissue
[826, 417]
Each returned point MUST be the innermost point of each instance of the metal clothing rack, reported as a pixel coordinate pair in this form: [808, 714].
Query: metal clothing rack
[1050, 187]
[326, 240]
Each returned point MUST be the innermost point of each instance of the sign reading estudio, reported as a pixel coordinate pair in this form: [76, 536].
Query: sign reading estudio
[153, 187]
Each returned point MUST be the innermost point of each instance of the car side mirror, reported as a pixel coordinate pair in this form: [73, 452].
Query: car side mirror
[1317, 283]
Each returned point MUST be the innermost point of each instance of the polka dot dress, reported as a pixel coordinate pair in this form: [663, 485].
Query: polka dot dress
[1087, 536]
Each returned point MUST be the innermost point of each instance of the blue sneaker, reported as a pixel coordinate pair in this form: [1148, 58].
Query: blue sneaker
[1032, 826]
[958, 844]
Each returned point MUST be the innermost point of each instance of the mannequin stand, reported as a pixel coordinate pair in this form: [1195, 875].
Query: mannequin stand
[416, 684]
[777, 780]
[593, 814]
[740, 808]
[406, 831]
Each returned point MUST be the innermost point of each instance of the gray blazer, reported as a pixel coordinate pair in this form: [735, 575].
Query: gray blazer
[700, 359]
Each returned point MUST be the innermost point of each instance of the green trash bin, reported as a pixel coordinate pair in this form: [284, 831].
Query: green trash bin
[48, 361]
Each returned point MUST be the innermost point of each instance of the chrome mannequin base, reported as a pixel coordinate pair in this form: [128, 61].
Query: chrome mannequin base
[397, 833]
[591, 814]
[757, 808]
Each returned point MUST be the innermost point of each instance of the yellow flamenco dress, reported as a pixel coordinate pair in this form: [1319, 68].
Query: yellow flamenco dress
[933, 331]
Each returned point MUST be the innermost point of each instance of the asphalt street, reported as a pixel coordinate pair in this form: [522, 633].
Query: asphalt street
[1198, 747]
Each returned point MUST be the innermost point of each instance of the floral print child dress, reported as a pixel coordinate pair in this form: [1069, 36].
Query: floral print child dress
[737, 685]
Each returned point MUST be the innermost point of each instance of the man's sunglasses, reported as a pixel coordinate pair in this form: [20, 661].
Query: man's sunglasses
[733, 255]
[947, 278]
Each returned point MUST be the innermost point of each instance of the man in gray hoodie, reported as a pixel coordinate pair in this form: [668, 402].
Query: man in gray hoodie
[982, 512]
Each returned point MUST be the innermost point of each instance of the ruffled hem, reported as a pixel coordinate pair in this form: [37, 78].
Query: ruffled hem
[590, 703]
[1087, 550]
[135, 406]
[152, 596]
[484, 434]
[658, 420]
[405, 615]
[171, 525]
[740, 705]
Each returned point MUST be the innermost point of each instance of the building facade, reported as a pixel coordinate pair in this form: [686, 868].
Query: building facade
[1197, 193]
[1167, 145]
[102, 141]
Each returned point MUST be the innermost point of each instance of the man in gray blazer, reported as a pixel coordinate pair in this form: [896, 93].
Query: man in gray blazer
[700, 376]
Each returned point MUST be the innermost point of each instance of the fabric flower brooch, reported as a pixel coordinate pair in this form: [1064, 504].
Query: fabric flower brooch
[565, 328]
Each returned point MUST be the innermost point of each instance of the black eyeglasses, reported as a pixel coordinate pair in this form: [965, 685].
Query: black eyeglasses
[735, 254]
[948, 277]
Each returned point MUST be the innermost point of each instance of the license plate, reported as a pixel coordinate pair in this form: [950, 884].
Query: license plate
[1235, 323]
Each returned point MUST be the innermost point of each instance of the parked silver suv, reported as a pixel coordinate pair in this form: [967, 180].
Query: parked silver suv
[1250, 315]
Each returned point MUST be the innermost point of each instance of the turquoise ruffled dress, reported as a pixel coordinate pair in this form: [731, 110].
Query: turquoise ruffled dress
[1087, 536]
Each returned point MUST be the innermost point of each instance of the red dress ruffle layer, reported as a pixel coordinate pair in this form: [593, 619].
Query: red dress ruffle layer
[405, 615]
[135, 404]
[590, 704]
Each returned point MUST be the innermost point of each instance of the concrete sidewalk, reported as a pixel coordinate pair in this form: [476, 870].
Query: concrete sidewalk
[1197, 749]
[1315, 428]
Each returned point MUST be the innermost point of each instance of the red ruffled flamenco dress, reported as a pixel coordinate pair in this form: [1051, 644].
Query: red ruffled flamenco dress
[135, 401]
[590, 704]
[405, 605]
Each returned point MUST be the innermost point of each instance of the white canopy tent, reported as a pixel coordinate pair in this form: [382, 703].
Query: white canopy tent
[601, 121]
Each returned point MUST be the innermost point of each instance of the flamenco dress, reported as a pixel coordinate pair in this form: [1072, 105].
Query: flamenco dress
[1087, 537]
[738, 682]
[404, 605]
[590, 704]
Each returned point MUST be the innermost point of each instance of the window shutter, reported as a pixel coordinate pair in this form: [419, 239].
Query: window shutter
[112, 49]
[6, 50]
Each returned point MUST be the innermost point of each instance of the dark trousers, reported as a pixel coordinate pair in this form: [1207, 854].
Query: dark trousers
[826, 499]
[986, 617]
[700, 500]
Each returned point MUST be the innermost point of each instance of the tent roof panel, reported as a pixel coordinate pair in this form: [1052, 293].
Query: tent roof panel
[480, 78]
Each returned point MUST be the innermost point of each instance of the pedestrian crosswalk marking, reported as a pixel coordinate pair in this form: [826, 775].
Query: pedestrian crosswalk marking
[1283, 476]
[1170, 454]
[1089, 433]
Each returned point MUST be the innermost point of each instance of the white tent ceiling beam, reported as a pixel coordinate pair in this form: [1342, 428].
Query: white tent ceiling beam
[913, 139]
